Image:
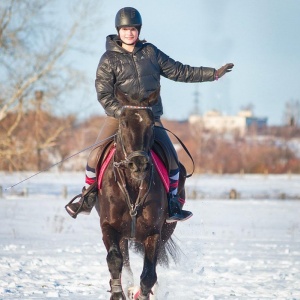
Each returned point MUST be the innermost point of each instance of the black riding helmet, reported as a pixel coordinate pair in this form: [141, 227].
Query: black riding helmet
[128, 17]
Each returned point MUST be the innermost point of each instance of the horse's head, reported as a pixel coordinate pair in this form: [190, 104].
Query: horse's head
[136, 135]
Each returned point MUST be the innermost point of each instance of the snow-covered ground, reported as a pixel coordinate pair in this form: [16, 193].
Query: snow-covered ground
[232, 249]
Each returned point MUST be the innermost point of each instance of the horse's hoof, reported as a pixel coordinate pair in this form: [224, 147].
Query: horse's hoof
[118, 296]
[141, 297]
[133, 292]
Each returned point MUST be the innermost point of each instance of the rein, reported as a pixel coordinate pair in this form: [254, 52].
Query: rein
[183, 146]
[123, 164]
[134, 207]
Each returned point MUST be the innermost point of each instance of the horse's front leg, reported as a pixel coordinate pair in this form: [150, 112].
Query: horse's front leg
[114, 258]
[127, 275]
[148, 276]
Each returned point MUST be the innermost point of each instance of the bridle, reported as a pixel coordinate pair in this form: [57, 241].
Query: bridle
[123, 164]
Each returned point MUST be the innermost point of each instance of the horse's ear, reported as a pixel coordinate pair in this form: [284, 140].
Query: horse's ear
[123, 99]
[153, 97]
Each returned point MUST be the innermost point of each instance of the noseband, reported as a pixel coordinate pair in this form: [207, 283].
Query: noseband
[124, 163]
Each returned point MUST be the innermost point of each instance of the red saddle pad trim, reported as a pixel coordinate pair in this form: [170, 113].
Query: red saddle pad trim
[104, 166]
[161, 169]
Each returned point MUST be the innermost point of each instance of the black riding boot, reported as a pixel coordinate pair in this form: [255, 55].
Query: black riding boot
[85, 204]
[176, 213]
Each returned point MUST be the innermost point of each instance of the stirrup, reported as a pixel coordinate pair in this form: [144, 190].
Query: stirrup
[85, 193]
[183, 216]
[176, 213]
[81, 196]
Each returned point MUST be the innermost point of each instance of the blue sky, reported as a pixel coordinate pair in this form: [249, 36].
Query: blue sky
[261, 37]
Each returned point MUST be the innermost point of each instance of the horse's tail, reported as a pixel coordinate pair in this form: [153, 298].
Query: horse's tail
[167, 250]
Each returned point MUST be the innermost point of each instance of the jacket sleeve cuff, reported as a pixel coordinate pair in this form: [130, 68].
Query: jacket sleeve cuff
[208, 74]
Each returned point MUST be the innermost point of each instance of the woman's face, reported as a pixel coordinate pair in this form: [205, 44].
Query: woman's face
[128, 35]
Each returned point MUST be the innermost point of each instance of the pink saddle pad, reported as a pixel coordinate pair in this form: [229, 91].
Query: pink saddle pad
[159, 165]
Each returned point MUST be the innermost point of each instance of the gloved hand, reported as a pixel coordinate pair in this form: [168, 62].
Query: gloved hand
[223, 70]
[117, 113]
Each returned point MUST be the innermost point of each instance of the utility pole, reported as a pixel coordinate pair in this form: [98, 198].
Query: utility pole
[196, 110]
[38, 123]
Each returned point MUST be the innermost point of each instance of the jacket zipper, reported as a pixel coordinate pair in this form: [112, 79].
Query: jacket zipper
[136, 72]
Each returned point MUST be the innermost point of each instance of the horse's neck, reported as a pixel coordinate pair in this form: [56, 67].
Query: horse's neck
[119, 154]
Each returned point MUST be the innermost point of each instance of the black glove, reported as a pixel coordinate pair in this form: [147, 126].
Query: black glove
[223, 70]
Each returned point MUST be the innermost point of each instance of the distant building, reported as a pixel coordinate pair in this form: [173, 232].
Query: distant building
[215, 121]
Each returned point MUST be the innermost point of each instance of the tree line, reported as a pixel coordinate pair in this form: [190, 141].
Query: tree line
[45, 139]
[274, 150]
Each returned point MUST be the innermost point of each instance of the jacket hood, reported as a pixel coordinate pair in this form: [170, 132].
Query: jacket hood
[113, 43]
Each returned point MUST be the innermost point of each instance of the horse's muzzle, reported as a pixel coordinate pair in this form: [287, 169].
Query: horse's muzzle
[138, 163]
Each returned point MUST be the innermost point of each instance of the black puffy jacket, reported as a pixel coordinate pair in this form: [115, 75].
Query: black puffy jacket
[138, 73]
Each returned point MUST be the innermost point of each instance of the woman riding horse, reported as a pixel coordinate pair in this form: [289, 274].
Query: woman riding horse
[132, 201]
[134, 67]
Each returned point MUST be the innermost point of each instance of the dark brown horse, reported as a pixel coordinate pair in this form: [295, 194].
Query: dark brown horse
[132, 203]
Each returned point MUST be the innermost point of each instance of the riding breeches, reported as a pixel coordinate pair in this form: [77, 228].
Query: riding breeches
[110, 127]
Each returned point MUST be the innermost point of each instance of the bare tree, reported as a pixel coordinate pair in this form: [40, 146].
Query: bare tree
[35, 41]
[292, 113]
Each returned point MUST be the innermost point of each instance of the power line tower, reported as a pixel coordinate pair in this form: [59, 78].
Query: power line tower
[196, 110]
